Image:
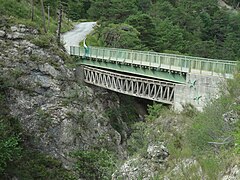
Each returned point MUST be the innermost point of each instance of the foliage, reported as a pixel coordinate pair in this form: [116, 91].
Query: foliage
[137, 143]
[20, 13]
[43, 41]
[170, 37]
[115, 11]
[211, 165]
[145, 26]
[209, 127]
[94, 164]
[195, 28]
[154, 111]
[36, 165]
[9, 144]
[121, 36]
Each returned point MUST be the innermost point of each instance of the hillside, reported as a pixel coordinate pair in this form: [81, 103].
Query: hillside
[54, 126]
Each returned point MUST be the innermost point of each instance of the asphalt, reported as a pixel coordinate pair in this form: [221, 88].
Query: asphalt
[78, 34]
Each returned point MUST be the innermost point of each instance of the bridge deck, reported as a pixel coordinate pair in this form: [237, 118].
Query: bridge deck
[170, 62]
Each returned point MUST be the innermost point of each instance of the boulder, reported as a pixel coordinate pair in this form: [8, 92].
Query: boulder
[2, 33]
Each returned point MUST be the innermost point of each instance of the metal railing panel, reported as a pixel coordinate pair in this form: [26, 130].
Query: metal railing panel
[159, 60]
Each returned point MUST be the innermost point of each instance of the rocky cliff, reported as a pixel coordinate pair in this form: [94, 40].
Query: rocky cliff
[59, 113]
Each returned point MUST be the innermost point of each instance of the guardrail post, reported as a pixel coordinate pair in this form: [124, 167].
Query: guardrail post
[200, 67]
[90, 54]
[190, 66]
[103, 53]
[170, 64]
[212, 67]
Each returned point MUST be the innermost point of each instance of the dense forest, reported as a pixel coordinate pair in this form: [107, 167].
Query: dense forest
[198, 28]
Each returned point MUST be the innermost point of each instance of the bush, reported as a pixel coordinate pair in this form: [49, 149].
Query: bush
[154, 111]
[43, 41]
[94, 164]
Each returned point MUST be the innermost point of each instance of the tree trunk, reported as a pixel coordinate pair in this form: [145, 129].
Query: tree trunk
[32, 12]
[43, 16]
[59, 23]
[48, 18]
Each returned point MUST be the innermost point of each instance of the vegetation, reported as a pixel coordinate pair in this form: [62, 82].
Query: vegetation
[94, 164]
[20, 12]
[211, 137]
[199, 28]
[195, 28]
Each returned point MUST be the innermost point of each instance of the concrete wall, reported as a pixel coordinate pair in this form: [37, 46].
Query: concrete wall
[198, 91]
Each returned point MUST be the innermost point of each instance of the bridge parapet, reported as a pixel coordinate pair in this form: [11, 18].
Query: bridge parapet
[170, 62]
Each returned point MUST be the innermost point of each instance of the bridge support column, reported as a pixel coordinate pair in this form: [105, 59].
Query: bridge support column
[198, 91]
[79, 74]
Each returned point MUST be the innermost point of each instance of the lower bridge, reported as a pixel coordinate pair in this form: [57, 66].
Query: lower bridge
[135, 86]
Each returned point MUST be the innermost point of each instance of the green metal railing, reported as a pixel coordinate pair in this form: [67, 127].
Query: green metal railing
[170, 62]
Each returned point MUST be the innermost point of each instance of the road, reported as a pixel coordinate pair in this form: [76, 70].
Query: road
[73, 37]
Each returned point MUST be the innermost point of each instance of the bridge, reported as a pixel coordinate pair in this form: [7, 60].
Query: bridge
[167, 78]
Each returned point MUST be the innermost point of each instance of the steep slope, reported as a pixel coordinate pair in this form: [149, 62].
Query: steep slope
[58, 113]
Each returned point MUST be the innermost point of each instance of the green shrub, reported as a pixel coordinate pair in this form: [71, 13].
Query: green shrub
[43, 41]
[9, 149]
[36, 165]
[154, 111]
[138, 141]
[211, 166]
[94, 164]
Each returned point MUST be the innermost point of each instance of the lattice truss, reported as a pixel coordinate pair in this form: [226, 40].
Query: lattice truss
[131, 85]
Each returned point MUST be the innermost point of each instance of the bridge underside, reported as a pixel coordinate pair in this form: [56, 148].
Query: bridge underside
[135, 86]
[160, 74]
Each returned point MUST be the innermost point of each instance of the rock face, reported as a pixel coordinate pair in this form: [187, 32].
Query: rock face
[231, 117]
[144, 167]
[232, 173]
[61, 114]
[188, 168]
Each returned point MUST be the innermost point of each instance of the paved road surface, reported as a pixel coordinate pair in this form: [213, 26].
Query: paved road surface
[73, 37]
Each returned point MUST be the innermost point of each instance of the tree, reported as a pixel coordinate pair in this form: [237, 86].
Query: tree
[144, 5]
[145, 26]
[32, 10]
[59, 23]
[43, 17]
[161, 10]
[115, 11]
[170, 37]
[121, 36]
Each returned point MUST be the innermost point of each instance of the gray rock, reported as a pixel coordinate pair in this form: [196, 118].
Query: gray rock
[144, 167]
[231, 117]
[183, 167]
[48, 69]
[35, 31]
[23, 30]
[2, 33]
[14, 29]
[21, 25]
[15, 35]
[157, 153]
[233, 173]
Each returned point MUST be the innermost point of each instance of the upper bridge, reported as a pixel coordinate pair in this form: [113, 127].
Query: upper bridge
[162, 62]
[190, 78]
